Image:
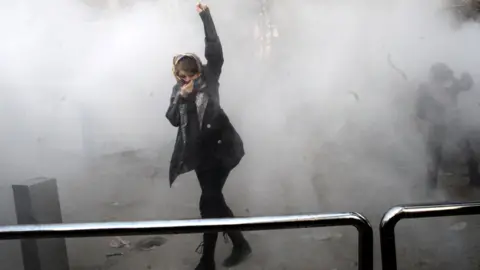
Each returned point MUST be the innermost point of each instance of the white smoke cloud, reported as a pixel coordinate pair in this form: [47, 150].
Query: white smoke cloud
[326, 119]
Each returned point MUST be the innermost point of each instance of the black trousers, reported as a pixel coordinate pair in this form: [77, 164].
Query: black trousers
[213, 205]
[435, 143]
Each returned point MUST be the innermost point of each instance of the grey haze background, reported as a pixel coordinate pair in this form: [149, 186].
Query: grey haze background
[327, 121]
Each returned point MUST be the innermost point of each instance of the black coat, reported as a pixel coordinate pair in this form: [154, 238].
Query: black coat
[215, 142]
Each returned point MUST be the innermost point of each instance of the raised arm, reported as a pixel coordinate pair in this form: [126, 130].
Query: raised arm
[173, 114]
[213, 46]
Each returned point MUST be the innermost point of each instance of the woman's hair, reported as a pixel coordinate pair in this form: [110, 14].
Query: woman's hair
[187, 64]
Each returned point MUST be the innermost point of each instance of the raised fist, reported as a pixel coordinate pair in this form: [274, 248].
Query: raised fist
[201, 7]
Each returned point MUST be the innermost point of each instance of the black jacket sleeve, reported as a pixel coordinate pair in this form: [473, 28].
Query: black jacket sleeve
[173, 114]
[213, 46]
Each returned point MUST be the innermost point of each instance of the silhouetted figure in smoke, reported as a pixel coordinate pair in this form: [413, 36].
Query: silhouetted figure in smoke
[206, 141]
[438, 112]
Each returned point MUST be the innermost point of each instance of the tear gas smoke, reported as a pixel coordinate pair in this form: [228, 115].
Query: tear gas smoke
[321, 91]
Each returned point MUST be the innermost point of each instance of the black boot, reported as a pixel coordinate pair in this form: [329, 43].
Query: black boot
[205, 264]
[240, 252]
[207, 249]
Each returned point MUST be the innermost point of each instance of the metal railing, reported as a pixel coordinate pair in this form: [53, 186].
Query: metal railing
[395, 214]
[365, 231]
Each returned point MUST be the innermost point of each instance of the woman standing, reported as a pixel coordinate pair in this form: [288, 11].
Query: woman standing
[206, 140]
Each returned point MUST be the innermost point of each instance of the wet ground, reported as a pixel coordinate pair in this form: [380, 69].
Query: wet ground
[131, 186]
